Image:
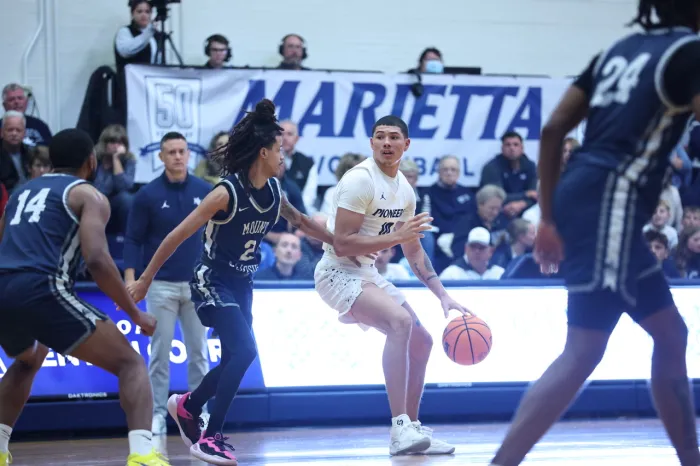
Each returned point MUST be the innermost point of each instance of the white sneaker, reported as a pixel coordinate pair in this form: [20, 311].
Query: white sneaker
[405, 438]
[159, 427]
[437, 447]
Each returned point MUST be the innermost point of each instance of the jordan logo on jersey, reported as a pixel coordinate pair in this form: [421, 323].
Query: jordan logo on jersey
[256, 227]
[388, 213]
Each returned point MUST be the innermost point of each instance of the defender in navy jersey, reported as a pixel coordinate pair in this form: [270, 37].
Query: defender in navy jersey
[637, 97]
[238, 213]
[49, 223]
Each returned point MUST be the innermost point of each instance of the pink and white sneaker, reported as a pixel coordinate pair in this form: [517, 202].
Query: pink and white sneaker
[214, 450]
[191, 428]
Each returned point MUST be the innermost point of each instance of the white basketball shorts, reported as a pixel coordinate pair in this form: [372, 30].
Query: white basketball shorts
[339, 284]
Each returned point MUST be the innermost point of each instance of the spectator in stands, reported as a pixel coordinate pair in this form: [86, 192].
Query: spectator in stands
[474, 263]
[570, 145]
[672, 196]
[489, 203]
[301, 169]
[14, 153]
[293, 51]
[311, 248]
[515, 173]
[207, 169]
[392, 272]
[658, 244]
[14, 98]
[116, 168]
[291, 190]
[448, 202]
[410, 170]
[160, 206]
[660, 222]
[287, 257]
[345, 163]
[218, 50]
[518, 241]
[691, 217]
[688, 253]
[430, 61]
[135, 43]
[39, 161]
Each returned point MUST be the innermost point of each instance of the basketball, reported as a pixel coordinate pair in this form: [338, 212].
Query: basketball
[467, 340]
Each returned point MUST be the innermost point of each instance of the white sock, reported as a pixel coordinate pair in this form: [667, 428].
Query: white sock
[5, 433]
[140, 442]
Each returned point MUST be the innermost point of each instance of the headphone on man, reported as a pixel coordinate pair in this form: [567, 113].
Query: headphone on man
[304, 55]
[222, 40]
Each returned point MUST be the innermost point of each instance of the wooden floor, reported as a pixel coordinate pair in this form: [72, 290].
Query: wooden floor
[600, 443]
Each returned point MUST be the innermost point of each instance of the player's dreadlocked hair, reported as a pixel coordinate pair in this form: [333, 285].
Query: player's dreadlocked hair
[256, 130]
[669, 12]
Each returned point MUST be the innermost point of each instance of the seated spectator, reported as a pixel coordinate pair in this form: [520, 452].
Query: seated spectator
[688, 253]
[293, 193]
[345, 163]
[311, 248]
[672, 196]
[410, 170]
[658, 244]
[207, 169]
[301, 169]
[489, 202]
[293, 51]
[116, 167]
[513, 171]
[37, 132]
[39, 161]
[691, 217]
[570, 145]
[474, 264]
[287, 257]
[518, 241]
[392, 272]
[660, 222]
[14, 153]
[448, 202]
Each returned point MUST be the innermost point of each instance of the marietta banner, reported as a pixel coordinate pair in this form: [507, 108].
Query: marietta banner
[455, 114]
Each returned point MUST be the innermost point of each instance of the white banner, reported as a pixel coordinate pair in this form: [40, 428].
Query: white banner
[457, 115]
[304, 345]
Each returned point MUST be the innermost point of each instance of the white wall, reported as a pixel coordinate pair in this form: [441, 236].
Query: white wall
[550, 37]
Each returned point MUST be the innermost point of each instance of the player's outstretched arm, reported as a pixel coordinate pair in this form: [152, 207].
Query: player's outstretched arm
[304, 222]
[92, 210]
[214, 202]
[423, 269]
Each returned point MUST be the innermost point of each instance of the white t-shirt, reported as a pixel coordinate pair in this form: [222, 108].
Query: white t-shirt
[384, 201]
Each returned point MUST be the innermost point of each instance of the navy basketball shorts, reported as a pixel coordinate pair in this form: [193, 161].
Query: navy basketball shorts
[608, 268]
[37, 308]
[212, 293]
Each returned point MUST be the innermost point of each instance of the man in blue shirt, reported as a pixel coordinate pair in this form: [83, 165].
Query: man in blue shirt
[158, 208]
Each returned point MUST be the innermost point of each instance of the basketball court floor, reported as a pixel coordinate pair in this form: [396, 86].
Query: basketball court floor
[590, 443]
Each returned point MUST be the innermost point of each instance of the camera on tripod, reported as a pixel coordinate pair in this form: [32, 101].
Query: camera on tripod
[161, 7]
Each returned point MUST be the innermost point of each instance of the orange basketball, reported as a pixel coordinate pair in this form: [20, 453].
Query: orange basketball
[467, 340]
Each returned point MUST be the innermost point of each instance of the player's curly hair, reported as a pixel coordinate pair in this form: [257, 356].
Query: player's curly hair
[256, 130]
[669, 13]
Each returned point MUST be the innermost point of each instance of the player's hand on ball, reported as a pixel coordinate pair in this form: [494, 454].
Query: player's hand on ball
[147, 323]
[414, 228]
[449, 304]
[549, 250]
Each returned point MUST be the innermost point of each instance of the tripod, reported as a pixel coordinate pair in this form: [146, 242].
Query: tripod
[161, 38]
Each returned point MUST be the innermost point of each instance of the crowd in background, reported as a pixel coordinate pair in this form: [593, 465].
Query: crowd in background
[479, 233]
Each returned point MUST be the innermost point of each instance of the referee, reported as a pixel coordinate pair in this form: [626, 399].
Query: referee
[158, 208]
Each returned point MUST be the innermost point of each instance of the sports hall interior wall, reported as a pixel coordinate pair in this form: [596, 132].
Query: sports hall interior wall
[515, 37]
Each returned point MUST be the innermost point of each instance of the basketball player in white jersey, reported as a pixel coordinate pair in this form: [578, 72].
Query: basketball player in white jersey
[373, 209]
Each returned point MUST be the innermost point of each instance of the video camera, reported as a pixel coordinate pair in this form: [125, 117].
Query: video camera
[161, 7]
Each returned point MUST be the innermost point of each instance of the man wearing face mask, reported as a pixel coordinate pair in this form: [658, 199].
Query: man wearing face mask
[430, 62]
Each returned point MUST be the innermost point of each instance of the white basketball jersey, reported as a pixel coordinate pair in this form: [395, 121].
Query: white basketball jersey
[384, 201]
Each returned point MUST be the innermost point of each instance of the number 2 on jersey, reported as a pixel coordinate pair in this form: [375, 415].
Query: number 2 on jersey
[249, 253]
[622, 75]
[36, 206]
